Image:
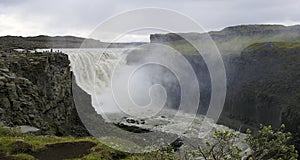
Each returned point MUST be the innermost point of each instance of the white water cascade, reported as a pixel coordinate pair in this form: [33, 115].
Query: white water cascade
[93, 69]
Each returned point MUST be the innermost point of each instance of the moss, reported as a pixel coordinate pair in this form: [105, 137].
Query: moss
[23, 156]
[103, 152]
[20, 146]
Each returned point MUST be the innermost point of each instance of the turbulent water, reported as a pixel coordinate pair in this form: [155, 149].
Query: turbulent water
[93, 69]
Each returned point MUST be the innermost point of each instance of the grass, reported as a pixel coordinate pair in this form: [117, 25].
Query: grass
[16, 145]
[23, 156]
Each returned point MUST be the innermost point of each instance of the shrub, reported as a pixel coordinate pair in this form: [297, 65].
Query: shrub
[269, 144]
[222, 147]
[266, 144]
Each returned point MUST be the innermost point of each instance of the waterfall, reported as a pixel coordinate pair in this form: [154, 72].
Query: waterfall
[94, 72]
[128, 91]
[92, 69]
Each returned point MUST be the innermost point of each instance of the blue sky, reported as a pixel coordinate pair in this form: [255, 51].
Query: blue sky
[80, 17]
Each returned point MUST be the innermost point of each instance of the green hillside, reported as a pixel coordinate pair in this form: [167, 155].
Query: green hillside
[231, 40]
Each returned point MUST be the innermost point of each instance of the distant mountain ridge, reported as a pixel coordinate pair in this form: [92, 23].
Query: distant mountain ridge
[240, 30]
[43, 41]
[232, 40]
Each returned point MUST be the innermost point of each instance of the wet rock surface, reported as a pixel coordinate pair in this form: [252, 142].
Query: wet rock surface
[134, 129]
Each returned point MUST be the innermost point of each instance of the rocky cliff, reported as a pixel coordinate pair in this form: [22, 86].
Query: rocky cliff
[265, 88]
[262, 85]
[36, 90]
[262, 68]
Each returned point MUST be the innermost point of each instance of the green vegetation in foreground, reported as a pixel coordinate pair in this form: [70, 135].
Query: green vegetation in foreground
[266, 144]
[16, 145]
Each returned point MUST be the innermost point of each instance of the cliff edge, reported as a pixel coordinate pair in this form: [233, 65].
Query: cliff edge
[36, 90]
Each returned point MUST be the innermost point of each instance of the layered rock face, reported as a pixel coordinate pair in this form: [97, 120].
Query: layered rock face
[36, 90]
[262, 70]
[265, 88]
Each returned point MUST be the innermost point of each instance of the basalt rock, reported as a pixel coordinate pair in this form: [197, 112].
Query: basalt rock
[263, 84]
[266, 88]
[36, 90]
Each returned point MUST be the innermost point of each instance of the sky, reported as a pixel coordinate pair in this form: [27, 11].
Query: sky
[81, 17]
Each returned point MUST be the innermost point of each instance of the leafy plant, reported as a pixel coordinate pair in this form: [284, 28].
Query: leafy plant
[222, 147]
[269, 144]
[265, 145]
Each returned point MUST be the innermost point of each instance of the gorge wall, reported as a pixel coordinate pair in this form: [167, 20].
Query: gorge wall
[36, 90]
[262, 68]
[261, 63]
[265, 88]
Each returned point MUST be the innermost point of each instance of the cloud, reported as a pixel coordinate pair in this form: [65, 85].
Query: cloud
[79, 18]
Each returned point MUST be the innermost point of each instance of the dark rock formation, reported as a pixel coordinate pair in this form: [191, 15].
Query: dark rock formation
[266, 88]
[177, 144]
[134, 129]
[36, 90]
[263, 84]
[262, 79]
